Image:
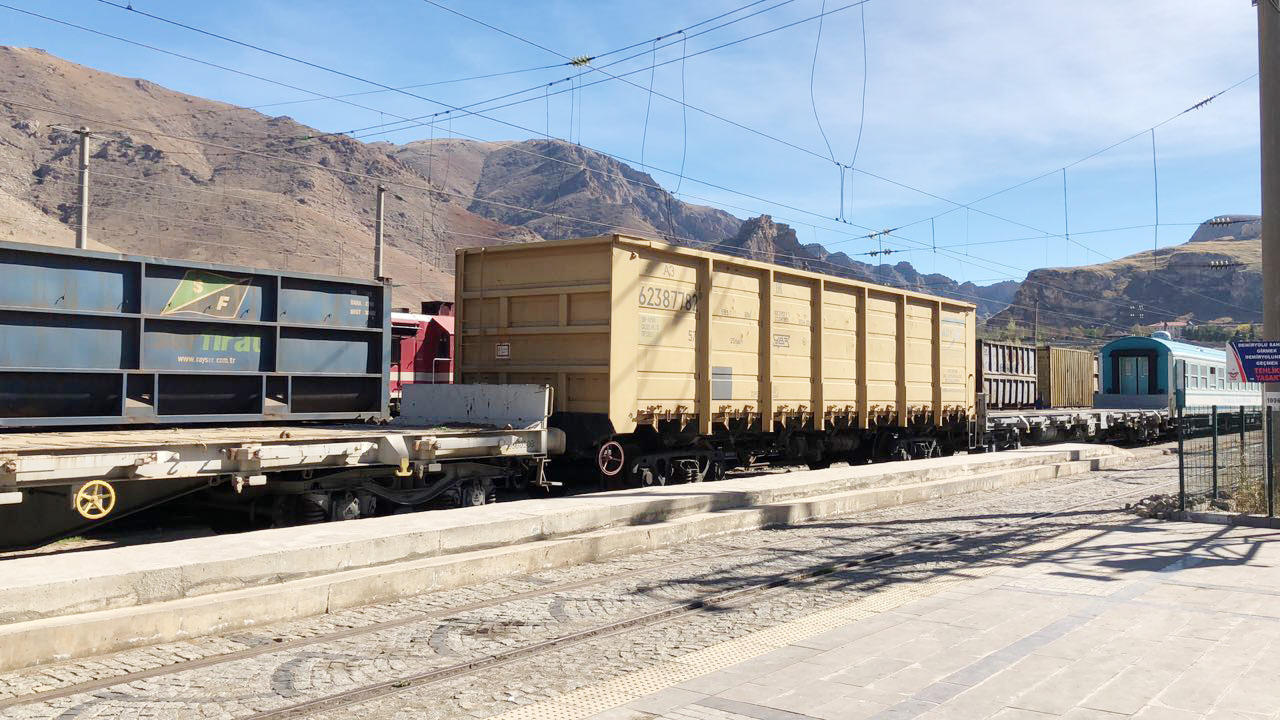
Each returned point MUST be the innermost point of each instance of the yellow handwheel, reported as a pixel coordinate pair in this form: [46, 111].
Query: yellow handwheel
[95, 499]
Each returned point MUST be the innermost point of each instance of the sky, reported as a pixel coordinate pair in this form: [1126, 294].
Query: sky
[962, 99]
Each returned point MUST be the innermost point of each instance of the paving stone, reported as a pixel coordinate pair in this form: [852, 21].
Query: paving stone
[1082, 713]
[1129, 691]
[665, 700]
[757, 712]
[847, 708]
[1157, 712]
[440, 636]
[1021, 714]
[717, 682]
[869, 670]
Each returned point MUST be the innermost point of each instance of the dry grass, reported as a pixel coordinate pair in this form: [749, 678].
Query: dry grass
[1249, 487]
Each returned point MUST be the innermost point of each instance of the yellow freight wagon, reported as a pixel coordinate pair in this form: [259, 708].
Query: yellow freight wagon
[670, 363]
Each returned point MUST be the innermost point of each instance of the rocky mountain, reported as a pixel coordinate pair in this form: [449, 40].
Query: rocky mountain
[572, 191]
[164, 182]
[185, 177]
[1215, 276]
[763, 239]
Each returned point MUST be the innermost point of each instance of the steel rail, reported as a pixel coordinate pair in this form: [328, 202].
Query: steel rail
[278, 647]
[387, 688]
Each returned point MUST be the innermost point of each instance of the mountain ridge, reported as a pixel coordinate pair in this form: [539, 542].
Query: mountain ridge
[163, 183]
[1214, 276]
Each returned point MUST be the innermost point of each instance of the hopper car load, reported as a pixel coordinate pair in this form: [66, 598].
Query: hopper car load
[672, 364]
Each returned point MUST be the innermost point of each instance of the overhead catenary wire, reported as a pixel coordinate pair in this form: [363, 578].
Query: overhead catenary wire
[467, 110]
[874, 175]
[881, 233]
[361, 93]
[862, 104]
[190, 58]
[622, 76]
[617, 175]
[870, 174]
[684, 148]
[644, 136]
[1066, 218]
[351, 173]
[1093, 154]
[813, 102]
[1027, 226]
[1155, 197]
[388, 180]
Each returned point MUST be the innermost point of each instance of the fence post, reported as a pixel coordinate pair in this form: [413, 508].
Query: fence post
[1182, 466]
[1269, 444]
[1213, 420]
[1244, 459]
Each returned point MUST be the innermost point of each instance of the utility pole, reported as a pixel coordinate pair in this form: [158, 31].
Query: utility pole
[1269, 126]
[377, 236]
[1036, 336]
[82, 229]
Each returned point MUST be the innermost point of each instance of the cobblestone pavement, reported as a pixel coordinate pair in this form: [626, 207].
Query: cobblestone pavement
[288, 663]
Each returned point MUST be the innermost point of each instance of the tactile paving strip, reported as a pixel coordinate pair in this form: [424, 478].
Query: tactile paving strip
[588, 701]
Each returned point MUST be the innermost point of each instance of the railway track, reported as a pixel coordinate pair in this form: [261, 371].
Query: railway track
[391, 687]
[689, 604]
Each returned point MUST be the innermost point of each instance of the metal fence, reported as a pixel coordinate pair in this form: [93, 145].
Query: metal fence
[1226, 460]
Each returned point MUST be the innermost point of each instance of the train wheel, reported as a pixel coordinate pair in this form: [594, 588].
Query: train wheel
[472, 494]
[611, 459]
[715, 471]
[640, 477]
[664, 473]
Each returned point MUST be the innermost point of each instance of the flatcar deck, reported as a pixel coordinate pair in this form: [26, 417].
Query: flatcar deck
[31, 459]
[1008, 428]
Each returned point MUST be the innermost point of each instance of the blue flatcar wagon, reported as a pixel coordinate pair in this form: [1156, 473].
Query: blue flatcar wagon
[1158, 372]
[94, 338]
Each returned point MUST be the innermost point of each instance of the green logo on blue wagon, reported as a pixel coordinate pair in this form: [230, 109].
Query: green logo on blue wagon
[208, 293]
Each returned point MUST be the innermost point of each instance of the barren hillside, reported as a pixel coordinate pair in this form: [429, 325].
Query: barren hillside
[160, 185]
[1215, 275]
[181, 176]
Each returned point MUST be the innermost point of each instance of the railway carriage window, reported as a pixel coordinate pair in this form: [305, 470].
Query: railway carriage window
[1193, 376]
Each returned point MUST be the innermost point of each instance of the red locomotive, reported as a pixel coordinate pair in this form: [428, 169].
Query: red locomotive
[423, 347]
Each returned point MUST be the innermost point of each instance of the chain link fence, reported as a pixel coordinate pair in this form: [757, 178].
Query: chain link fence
[1226, 460]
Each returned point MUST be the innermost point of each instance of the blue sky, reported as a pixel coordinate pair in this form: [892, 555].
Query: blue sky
[962, 99]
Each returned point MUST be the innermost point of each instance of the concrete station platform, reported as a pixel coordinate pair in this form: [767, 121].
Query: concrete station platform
[83, 603]
[1143, 619]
